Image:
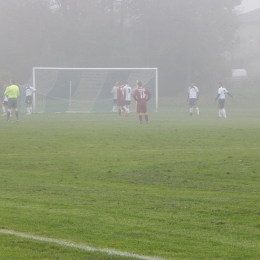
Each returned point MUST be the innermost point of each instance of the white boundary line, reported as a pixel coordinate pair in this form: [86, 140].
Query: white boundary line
[78, 246]
[146, 150]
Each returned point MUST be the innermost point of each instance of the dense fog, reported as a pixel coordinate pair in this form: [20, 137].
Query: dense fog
[186, 40]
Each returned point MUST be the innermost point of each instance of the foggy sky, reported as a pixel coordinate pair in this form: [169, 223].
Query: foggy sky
[249, 5]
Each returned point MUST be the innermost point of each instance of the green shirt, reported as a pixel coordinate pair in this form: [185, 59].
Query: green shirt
[12, 91]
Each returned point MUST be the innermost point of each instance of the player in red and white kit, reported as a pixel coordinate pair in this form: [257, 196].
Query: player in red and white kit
[142, 95]
[121, 93]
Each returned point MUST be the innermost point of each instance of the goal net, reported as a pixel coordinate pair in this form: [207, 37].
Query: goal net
[87, 90]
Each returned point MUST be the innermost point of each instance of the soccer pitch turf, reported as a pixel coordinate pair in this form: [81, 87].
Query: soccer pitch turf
[178, 188]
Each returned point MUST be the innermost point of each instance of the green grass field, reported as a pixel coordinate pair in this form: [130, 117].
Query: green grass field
[179, 188]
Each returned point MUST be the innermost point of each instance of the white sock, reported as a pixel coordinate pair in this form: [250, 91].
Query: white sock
[191, 110]
[224, 113]
[126, 109]
[219, 113]
[197, 110]
[3, 109]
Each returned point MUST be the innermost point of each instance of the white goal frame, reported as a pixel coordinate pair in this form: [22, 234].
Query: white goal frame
[34, 69]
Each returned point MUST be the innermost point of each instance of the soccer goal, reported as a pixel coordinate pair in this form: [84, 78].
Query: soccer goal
[87, 90]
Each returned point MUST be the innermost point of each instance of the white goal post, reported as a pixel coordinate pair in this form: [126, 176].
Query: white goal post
[87, 90]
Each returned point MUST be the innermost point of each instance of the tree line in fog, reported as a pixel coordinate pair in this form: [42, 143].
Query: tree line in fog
[186, 39]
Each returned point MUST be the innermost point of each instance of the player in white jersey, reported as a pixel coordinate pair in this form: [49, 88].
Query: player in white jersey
[114, 92]
[28, 98]
[193, 96]
[221, 100]
[5, 102]
[127, 95]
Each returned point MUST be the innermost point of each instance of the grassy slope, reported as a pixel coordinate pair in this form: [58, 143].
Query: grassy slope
[179, 188]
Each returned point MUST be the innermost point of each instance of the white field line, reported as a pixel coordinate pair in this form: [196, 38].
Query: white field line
[200, 149]
[78, 246]
[147, 150]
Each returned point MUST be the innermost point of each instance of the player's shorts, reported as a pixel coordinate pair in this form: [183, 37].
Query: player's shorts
[5, 103]
[221, 103]
[141, 108]
[114, 101]
[192, 102]
[12, 103]
[128, 102]
[120, 103]
[28, 100]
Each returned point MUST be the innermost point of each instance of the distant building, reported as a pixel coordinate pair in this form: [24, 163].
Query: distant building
[247, 53]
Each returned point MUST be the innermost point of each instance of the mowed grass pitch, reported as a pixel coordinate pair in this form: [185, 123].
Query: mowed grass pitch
[179, 188]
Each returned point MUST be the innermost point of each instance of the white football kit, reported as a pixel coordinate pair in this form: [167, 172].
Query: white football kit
[114, 91]
[193, 91]
[222, 93]
[128, 93]
[29, 91]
